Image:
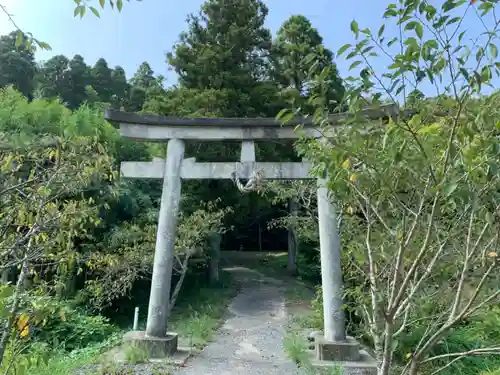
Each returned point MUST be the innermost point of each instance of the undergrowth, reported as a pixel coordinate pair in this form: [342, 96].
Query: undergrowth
[81, 340]
[483, 331]
[199, 313]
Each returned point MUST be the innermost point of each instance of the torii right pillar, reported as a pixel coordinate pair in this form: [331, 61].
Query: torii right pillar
[334, 348]
[331, 271]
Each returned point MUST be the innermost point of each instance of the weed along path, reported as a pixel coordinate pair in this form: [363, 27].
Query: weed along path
[250, 342]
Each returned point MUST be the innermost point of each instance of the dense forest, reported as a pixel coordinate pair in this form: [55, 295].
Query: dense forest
[417, 197]
[267, 75]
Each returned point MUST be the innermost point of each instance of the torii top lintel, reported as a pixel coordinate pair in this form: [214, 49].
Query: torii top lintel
[161, 128]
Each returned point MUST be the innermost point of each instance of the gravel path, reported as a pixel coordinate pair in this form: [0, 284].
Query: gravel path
[250, 342]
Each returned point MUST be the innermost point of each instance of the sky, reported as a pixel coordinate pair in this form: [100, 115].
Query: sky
[146, 30]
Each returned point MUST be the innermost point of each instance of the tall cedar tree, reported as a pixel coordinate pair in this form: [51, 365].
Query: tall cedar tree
[17, 64]
[102, 81]
[226, 47]
[298, 51]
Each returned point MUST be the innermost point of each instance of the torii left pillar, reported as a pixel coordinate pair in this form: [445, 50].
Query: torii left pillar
[159, 298]
[156, 340]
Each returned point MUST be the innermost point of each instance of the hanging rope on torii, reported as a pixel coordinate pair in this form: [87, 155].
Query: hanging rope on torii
[255, 183]
[175, 168]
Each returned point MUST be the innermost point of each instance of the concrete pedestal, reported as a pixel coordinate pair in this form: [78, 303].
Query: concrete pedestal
[345, 356]
[155, 347]
[366, 365]
[337, 351]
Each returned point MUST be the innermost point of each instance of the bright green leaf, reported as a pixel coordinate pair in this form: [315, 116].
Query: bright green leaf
[460, 36]
[95, 11]
[411, 25]
[392, 41]
[287, 117]
[448, 189]
[453, 20]
[381, 31]
[354, 64]
[493, 50]
[44, 45]
[344, 48]
[281, 113]
[351, 55]
[19, 38]
[355, 28]
[479, 54]
[366, 50]
[419, 30]
[415, 121]
[432, 128]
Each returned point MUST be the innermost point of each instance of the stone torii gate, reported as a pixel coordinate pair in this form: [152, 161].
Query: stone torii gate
[333, 345]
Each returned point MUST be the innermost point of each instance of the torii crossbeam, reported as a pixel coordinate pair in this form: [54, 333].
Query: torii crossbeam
[176, 168]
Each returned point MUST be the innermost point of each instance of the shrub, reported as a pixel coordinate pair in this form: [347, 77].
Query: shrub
[74, 329]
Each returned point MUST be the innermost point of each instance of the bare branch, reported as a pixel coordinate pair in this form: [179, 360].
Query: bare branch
[393, 305]
[459, 356]
[465, 266]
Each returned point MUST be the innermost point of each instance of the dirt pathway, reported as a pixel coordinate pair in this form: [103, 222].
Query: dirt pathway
[250, 342]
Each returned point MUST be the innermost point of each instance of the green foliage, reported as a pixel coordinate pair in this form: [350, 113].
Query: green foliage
[74, 329]
[189, 103]
[64, 332]
[76, 83]
[17, 63]
[317, 309]
[144, 77]
[126, 254]
[479, 332]
[101, 80]
[235, 58]
[418, 192]
[298, 55]
[48, 164]
[55, 78]
[62, 362]
[201, 308]
[295, 348]
[135, 354]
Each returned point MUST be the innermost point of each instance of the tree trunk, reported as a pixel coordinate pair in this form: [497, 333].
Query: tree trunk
[71, 272]
[292, 238]
[260, 237]
[5, 276]
[178, 286]
[7, 329]
[214, 241]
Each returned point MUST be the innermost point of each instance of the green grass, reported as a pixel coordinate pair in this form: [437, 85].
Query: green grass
[61, 363]
[135, 354]
[296, 349]
[197, 316]
[273, 264]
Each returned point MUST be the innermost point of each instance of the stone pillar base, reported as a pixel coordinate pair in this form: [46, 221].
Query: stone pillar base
[336, 351]
[365, 365]
[347, 356]
[155, 347]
